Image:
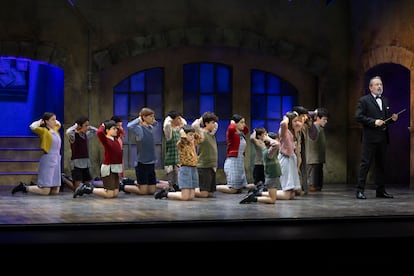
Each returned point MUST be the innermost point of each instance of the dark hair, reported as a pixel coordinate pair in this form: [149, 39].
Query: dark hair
[116, 119]
[300, 109]
[236, 118]
[209, 117]
[188, 128]
[259, 131]
[322, 112]
[46, 116]
[109, 123]
[81, 120]
[174, 114]
[291, 115]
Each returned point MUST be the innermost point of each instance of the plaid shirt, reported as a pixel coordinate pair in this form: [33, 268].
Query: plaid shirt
[171, 151]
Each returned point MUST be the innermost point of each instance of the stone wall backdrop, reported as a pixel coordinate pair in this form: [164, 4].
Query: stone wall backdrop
[318, 46]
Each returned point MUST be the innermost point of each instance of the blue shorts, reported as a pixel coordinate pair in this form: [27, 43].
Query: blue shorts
[188, 177]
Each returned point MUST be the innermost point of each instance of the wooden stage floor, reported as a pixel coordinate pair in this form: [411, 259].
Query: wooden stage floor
[331, 215]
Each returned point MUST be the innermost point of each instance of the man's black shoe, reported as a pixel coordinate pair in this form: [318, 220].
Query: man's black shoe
[384, 194]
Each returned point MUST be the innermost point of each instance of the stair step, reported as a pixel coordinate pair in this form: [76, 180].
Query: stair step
[18, 166]
[19, 141]
[11, 179]
[19, 154]
[19, 159]
[18, 173]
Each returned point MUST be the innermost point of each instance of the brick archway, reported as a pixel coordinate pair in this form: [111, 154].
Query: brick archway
[404, 57]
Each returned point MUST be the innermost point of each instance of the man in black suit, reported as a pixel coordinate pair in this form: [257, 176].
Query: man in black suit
[372, 111]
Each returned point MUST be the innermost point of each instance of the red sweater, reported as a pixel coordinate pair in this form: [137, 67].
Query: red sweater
[113, 151]
[233, 140]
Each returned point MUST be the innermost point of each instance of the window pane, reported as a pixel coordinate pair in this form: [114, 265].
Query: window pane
[206, 104]
[206, 77]
[273, 107]
[124, 126]
[190, 121]
[121, 104]
[154, 80]
[223, 79]
[258, 123]
[273, 85]
[221, 132]
[191, 78]
[258, 107]
[258, 82]
[221, 148]
[273, 126]
[158, 132]
[287, 103]
[132, 153]
[223, 107]
[287, 89]
[190, 106]
[123, 86]
[136, 102]
[138, 82]
[154, 101]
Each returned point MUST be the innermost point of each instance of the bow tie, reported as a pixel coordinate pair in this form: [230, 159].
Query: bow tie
[377, 97]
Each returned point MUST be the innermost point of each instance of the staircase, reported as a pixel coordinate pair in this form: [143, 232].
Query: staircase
[19, 159]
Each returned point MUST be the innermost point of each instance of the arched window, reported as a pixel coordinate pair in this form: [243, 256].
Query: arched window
[271, 98]
[142, 89]
[208, 87]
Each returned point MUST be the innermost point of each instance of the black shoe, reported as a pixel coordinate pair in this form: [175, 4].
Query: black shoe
[82, 189]
[121, 187]
[19, 188]
[128, 181]
[124, 182]
[78, 191]
[248, 199]
[176, 188]
[161, 194]
[89, 189]
[257, 191]
[260, 185]
[90, 185]
[384, 194]
[360, 195]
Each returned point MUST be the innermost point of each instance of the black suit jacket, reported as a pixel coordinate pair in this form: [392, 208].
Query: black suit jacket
[367, 112]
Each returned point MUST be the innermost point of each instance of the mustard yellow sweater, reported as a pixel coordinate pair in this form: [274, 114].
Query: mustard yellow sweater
[44, 134]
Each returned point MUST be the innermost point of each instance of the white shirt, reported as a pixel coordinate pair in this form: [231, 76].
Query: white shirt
[379, 101]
